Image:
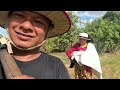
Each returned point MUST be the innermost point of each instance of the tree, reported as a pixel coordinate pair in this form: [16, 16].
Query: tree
[105, 35]
[112, 16]
[61, 43]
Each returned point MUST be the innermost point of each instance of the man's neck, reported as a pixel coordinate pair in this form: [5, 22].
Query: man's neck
[26, 55]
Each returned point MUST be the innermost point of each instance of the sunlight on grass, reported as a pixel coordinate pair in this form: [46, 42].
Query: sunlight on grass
[62, 56]
[110, 64]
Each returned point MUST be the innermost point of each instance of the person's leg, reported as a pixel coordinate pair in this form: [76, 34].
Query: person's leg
[73, 62]
[88, 72]
[75, 71]
[72, 65]
[78, 72]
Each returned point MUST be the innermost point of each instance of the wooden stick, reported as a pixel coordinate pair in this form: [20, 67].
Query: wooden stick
[9, 65]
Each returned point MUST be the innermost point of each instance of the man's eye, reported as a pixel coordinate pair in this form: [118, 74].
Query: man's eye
[38, 22]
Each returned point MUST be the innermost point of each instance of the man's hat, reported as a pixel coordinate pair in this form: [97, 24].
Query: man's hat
[60, 20]
[84, 36]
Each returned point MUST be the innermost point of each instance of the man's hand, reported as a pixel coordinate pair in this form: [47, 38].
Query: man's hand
[23, 77]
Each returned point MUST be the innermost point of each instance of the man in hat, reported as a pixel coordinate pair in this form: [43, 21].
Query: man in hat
[81, 71]
[27, 31]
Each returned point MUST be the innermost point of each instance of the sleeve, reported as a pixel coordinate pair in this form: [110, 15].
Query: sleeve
[70, 50]
[63, 72]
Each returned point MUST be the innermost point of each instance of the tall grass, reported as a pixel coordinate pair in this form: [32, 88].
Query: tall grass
[111, 65]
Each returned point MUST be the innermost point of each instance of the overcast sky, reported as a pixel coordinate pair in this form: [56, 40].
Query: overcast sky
[84, 16]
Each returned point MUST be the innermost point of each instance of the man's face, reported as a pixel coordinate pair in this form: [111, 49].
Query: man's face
[27, 29]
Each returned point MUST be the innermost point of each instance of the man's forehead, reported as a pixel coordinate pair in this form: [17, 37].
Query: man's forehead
[28, 12]
[32, 13]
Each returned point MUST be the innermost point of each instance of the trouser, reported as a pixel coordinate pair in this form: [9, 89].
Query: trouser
[73, 62]
[81, 73]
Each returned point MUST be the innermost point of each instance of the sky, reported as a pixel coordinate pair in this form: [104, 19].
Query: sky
[3, 32]
[85, 16]
[89, 15]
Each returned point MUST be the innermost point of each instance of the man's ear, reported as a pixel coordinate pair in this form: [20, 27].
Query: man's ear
[9, 13]
[49, 30]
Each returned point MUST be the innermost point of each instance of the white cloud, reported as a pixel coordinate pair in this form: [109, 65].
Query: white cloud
[89, 16]
[91, 20]
[93, 14]
[85, 21]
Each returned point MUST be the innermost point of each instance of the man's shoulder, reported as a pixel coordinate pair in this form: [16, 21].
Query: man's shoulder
[49, 55]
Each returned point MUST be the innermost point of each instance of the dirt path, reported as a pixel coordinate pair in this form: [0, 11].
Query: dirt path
[71, 71]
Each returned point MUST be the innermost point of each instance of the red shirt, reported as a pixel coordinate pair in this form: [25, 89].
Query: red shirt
[76, 47]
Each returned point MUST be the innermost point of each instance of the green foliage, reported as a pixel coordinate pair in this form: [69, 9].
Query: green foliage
[61, 43]
[105, 35]
[112, 16]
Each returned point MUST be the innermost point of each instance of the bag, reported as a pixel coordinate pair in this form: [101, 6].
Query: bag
[8, 63]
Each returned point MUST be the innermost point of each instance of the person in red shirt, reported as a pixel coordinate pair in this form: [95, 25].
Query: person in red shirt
[81, 71]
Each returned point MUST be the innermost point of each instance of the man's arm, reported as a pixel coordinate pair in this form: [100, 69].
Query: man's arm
[63, 72]
[70, 50]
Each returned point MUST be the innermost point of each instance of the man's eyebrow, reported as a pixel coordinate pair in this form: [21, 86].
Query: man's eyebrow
[19, 12]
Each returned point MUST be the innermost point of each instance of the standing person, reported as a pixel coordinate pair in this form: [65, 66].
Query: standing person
[27, 31]
[84, 58]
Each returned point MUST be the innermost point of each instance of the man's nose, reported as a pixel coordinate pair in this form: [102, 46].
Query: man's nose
[27, 25]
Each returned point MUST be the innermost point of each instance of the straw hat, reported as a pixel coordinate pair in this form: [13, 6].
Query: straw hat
[60, 20]
[84, 36]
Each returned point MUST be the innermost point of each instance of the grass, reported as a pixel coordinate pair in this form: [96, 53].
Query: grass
[110, 63]
[62, 56]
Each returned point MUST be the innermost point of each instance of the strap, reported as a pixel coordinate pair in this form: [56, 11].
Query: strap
[8, 63]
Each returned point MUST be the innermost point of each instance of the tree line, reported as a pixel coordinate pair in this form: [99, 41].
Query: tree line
[104, 32]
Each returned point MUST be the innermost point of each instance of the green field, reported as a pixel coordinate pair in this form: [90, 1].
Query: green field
[110, 64]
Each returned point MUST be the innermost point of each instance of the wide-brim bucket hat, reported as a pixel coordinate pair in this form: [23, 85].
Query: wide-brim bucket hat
[84, 36]
[60, 20]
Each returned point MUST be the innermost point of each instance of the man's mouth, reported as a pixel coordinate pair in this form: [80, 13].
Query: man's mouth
[24, 36]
